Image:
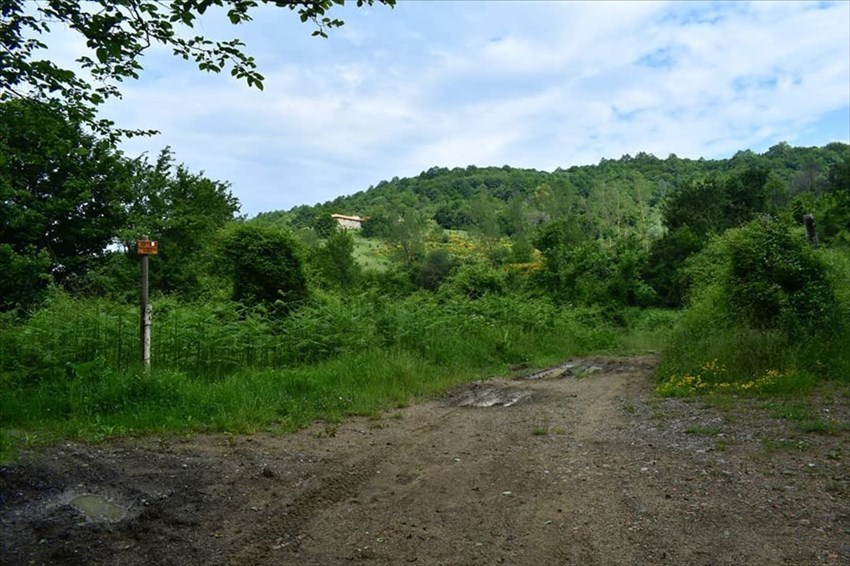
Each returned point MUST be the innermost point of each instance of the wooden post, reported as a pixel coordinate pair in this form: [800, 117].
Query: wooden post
[145, 312]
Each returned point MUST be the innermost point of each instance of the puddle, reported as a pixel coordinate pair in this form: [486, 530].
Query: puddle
[491, 397]
[98, 508]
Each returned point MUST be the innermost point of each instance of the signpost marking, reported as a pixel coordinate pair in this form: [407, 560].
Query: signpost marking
[145, 248]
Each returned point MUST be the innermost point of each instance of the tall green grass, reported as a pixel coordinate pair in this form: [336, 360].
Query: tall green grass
[71, 369]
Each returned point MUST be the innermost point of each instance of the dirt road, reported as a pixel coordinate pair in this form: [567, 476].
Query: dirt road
[579, 465]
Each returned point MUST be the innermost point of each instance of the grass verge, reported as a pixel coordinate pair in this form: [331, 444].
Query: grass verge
[69, 371]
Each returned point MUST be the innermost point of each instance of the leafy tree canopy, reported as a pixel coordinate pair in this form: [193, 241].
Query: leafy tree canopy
[67, 197]
[118, 33]
[614, 197]
[181, 210]
[62, 190]
[335, 260]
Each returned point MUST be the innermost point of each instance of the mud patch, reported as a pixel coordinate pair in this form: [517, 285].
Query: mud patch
[481, 396]
[585, 367]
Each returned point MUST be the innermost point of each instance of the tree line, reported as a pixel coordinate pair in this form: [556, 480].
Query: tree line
[618, 232]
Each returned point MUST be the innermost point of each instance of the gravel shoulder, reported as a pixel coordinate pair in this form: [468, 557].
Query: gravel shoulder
[580, 464]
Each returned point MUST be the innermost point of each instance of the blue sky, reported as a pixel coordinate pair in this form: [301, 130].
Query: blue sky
[527, 84]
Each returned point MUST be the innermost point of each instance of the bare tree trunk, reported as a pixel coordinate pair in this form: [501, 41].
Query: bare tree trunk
[809, 221]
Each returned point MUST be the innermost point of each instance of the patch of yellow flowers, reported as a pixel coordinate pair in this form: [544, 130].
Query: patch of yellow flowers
[712, 377]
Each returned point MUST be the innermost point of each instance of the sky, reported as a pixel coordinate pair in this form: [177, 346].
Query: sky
[528, 84]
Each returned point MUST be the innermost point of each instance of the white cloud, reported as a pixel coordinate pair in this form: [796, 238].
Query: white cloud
[527, 84]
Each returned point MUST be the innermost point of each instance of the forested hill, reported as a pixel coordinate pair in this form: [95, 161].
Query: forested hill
[631, 187]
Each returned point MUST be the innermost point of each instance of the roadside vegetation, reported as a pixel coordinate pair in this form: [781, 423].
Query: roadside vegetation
[280, 320]
[217, 367]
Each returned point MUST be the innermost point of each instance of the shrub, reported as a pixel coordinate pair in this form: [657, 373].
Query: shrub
[774, 279]
[23, 277]
[763, 301]
[664, 271]
[591, 273]
[522, 251]
[265, 265]
[475, 280]
[437, 265]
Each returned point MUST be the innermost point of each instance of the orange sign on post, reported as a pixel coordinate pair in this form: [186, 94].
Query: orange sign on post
[146, 247]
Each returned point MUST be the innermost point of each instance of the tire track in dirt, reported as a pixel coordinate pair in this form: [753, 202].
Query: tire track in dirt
[353, 456]
[284, 526]
[478, 479]
[591, 531]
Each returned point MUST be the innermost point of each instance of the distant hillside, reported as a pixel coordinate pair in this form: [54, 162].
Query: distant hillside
[631, 187]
